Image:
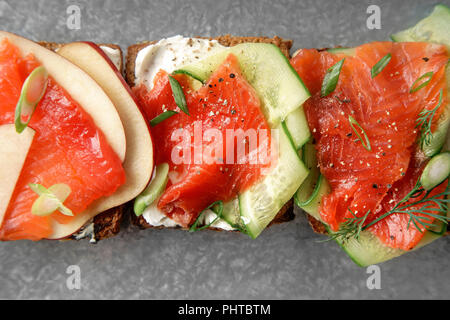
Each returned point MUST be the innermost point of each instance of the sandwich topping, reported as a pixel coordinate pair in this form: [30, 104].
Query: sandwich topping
[68, 150]
[367, 131]
[169, 54]
[225, 104]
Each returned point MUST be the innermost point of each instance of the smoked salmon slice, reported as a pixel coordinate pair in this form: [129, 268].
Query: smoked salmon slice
[68, 148]
[226, 102]
[362, 179]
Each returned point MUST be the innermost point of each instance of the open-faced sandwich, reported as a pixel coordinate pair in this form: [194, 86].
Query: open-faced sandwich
[379, 116]
[227, 121]
[74, 144]
[356, 136]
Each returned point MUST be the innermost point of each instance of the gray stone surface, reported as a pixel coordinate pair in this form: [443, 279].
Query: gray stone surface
[287, 261]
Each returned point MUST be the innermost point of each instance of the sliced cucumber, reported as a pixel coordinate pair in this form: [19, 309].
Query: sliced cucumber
[153, 190]
[434, 28]
[309, 195]
[298, 128]
[232, 215]
[345, 51]
[312, 203]
[368, 249]
[436, 171]
[439, 136]
[261, 202]
[268, 71]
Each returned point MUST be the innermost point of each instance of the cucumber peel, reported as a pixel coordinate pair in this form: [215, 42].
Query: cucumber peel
[435, 28]
[154, 189]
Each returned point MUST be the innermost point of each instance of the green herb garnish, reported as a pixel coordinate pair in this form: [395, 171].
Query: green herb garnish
[379, 66]
[430, 207]
[161, 117]
[218, 212]
[415, 87]
[178, 95]
[365, 142]
[331, 79]
[50, 199]
[424, 122]
[33, 90]
[351, 228]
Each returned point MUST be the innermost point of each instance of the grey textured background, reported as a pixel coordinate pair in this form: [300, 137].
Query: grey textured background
[286, 261]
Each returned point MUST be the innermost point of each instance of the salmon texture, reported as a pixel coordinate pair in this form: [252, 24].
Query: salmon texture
[225, 102]
[68, 148]
[375, 179]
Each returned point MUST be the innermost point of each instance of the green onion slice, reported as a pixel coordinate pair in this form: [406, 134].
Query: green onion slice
[379, 66]
[415, 87]
[365, 142]
[178, 95]
[218, 210]
[33, 90]
[436, 171]
[161, 117]
[331, 79]
[50, 199]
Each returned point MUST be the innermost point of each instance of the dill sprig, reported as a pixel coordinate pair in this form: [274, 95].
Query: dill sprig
[422, 211]
[351, 228]
[425, 121]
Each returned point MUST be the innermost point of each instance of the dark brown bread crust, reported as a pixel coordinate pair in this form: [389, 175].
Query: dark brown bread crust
[106, 224]
[286, 213]
[316, 225]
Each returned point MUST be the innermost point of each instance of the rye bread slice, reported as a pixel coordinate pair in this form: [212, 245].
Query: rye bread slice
[286, 213]
[106, 224]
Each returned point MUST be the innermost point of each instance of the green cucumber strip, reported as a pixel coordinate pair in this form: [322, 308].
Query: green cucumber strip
[232, 215]
[33, 90]
[298, 127]
[268, 71]
[369, 250]
[305, 193]
[434, 28]
[260, 203]
[154, 189]
[436, 171]
[345, 51]
[309, 196]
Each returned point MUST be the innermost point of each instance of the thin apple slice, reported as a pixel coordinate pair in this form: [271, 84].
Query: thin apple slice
[138, 162]
[81, 88]
[14, 149]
